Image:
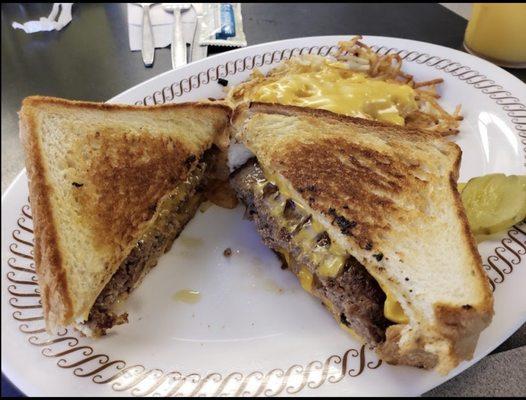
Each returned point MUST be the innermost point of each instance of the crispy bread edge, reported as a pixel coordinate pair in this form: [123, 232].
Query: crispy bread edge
[274, 108]
[487, 304]
[56, 300]
[36, 100]
[462, 326]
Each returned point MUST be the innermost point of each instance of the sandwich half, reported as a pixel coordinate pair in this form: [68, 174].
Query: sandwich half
[369, 218]
[111, 187]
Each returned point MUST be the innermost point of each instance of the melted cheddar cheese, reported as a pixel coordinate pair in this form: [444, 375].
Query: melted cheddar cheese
[393, 310]
[305, 278]
[330, 262]
[332, 86]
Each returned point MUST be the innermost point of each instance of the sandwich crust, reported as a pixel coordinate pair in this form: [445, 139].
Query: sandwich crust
[48, 261]
[388, 194]
[96, 175]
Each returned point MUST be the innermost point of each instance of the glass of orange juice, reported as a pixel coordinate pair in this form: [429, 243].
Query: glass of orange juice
[497, 32]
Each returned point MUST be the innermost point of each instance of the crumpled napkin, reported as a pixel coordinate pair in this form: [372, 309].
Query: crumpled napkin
[51, 22]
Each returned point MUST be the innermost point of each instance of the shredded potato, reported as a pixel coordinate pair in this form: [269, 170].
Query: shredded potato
[356, 56]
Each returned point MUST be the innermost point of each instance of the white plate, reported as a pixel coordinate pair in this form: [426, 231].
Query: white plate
[255, 332]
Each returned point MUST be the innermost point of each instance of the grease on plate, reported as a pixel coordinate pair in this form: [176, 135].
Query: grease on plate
[188, 296]
[189, 241]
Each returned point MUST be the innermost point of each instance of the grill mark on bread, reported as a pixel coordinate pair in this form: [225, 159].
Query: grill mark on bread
[345, 225]
[126, 180]
[310, 167]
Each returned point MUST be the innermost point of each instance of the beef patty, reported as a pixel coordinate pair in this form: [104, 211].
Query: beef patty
[355, 297]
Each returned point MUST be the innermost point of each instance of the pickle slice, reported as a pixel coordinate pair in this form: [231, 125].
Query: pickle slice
[461, 186]
[494, 202]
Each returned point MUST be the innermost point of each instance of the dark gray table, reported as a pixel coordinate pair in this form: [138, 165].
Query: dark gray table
[90, 60]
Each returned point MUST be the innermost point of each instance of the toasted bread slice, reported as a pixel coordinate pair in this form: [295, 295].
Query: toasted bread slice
[105, 182]
[387, 196]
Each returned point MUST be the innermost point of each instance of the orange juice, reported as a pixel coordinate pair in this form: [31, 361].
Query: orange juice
[497, 31]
